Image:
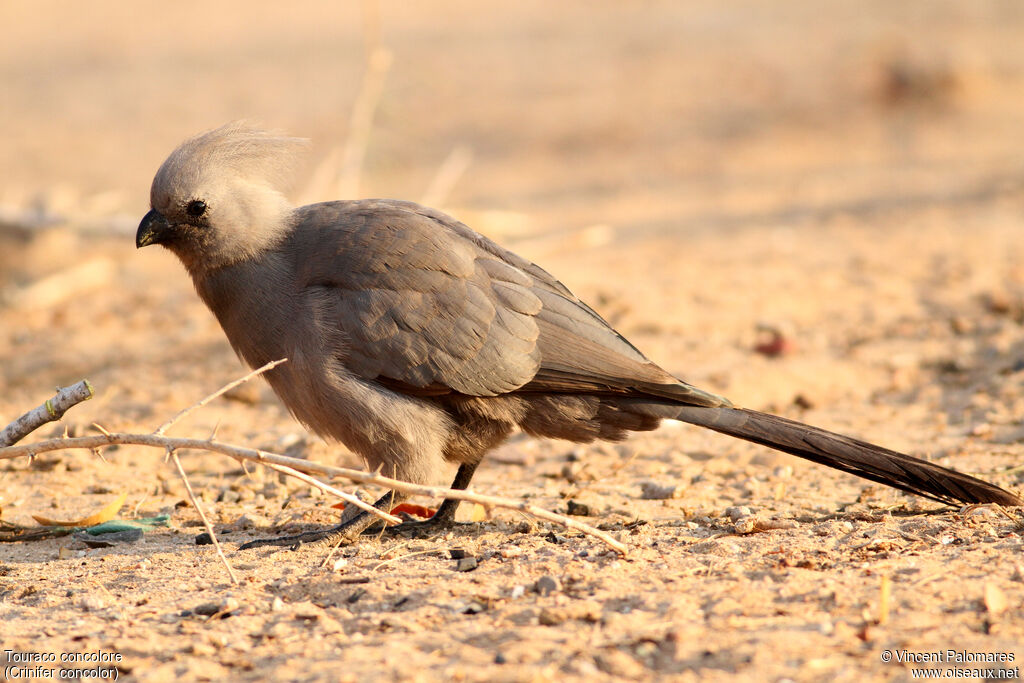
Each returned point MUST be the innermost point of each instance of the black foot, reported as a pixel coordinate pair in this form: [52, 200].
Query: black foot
[443, 519]
[343, 534]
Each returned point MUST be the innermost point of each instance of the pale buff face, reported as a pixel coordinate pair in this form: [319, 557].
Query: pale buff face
[217, 198]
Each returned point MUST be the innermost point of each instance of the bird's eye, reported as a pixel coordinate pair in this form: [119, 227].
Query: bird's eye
[196, 208]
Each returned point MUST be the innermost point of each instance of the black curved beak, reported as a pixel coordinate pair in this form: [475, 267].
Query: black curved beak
[152, 230]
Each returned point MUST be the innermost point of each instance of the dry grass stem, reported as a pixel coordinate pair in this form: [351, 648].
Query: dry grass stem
[224, 389]
[340, 173]
[206, 522]
[448, 173]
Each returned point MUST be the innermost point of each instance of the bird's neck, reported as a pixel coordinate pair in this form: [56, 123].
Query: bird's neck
[252, 302]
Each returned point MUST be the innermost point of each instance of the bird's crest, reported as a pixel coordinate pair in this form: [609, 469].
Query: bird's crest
[258, 155]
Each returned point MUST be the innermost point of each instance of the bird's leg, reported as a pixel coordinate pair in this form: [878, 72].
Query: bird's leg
[345, 533]
[445, 514]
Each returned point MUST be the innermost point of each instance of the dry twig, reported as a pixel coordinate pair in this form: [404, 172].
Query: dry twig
[223, 390]
[326, 488]
[199, 509]
[254, 455]
[52, 410]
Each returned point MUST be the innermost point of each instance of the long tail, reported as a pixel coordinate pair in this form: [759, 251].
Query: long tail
[840, 452]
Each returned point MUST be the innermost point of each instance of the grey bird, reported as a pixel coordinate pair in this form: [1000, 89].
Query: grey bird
[417, 342]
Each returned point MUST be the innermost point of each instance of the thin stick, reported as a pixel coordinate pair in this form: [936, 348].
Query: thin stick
[224, 389]
[327, 488]
[206, 522]
[51, 411]
[361, 124]
[239, 452]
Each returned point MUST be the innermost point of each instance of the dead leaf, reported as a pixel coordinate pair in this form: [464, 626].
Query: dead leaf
[478, 513]
[104, 515]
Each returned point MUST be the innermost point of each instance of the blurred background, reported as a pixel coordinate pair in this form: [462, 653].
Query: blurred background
[645, 114]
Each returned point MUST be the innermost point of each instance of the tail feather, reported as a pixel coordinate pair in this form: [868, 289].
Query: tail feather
[860, 458]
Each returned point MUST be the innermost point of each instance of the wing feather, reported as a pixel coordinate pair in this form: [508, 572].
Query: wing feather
[425, 304]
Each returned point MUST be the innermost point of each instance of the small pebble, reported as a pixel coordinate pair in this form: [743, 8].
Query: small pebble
[981, 429]
[465, 564]
[209, 609]
[546, 585]
[578, 509]
[737, 513]
[801, 401]
[746, 525]
[569, 471]
[783, 472]
[229, 496]
[552, 617]
[998, 302]
[458, 553]
[206, 609]
[92, 603]
[961, 324]
[517, 592]
[650, 490]
[474, 607]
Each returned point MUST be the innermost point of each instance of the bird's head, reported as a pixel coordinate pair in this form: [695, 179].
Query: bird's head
[218, 199]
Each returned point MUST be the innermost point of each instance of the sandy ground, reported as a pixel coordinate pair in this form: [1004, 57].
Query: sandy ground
[847, 173]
